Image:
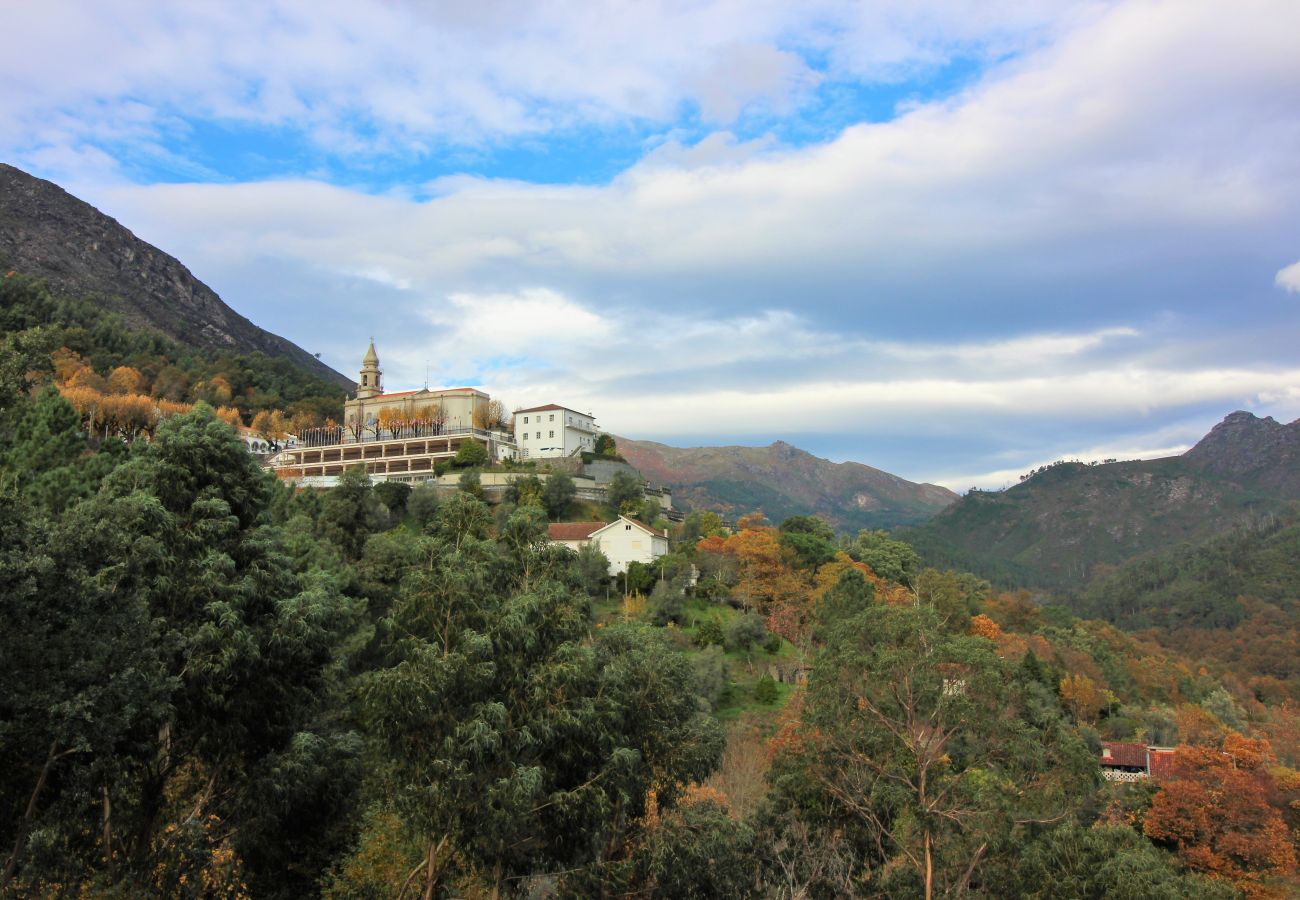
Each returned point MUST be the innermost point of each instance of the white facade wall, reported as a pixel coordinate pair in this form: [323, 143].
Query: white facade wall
[624, 541]
[548, 433]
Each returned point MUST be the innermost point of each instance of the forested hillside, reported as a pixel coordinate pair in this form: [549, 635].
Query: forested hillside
[215, 686]
[1067, 522]
[1233, 601]
[101, 361]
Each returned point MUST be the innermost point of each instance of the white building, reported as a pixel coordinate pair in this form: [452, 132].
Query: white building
[551, 430]
[622, 541]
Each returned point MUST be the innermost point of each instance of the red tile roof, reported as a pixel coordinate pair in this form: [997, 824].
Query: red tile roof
[574, 531]
[1161, 760]
[455, 390]
[1133, 756]
[551, 406]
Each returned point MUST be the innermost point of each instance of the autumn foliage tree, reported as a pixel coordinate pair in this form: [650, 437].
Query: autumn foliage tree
[1213, 811]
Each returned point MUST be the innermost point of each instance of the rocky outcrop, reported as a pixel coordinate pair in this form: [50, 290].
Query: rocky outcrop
[50, 234]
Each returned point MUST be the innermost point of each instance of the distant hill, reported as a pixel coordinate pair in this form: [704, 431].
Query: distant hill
[1071, 522]
[782, 480]
[47, 233]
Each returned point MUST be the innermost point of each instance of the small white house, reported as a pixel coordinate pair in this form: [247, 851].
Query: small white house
[553, 430]
[622, 541]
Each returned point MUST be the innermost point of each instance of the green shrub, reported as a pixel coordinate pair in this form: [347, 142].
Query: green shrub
[765, 690]
[709, 634]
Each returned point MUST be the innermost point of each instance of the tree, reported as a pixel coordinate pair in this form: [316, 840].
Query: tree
[809, 539]
[1212, 810]
[470, 454]
[1099, 863]
[591, 568]
[423, 504]
[486, 777]
[890, 559]
[927, 740]
[623, 487]
[240, 657]
[470, 483]
[125, 380]
[695, 849]
[745, 631]
[605, 446]
[558, 494]
[351, 512]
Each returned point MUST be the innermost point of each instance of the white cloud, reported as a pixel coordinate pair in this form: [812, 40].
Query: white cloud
[385, 77]
[1288, 279]
[1010, 252]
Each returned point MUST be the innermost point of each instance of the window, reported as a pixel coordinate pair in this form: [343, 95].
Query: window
[627, 527]
[539, 435]
[525, 420]
[552, 417]
[365, 379]
[550, 434]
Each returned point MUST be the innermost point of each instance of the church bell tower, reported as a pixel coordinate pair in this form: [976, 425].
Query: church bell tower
[371, 383]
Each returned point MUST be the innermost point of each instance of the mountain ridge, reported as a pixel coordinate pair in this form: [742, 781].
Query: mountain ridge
[783, 480]
[48, 233]
[1070, 522]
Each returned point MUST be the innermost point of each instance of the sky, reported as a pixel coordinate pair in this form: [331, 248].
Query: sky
[952, 240]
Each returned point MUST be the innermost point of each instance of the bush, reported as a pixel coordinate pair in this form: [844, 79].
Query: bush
[422, 505]
[765, 690]
[710, 675]
[470, 453]
[709, 634]
[470, 483]
[394, 495]
[772, 644]
[667, 603]
[746, 631]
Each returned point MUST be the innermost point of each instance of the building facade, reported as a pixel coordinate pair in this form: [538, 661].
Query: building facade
[448, 408]
[549, 431]
[623, 541]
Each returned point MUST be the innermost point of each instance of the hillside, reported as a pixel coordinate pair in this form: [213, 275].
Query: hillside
[1233, 601]
[783, 481]
[1062, 526]
[47, 233]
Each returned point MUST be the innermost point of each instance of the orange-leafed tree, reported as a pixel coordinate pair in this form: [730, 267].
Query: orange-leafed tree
[1082, 697]
[765, 578]
[392, 420]
[982, 626]
[125, 380]
[1213, 811]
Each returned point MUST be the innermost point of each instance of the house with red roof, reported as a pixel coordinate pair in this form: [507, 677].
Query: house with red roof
[1126, 761]
[623, 541]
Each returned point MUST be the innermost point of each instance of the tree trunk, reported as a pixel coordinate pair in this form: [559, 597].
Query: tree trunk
[11, 865]
[929, 869]
[108, 828]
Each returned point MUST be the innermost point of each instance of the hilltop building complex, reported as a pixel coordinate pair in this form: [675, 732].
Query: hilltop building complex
[402, 435]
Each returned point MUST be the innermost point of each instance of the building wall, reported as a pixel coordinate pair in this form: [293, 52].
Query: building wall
[458, 406]
[554, 432]
[623, 543]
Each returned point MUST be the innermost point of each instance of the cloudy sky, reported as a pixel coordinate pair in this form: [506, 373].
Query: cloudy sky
[953, 240]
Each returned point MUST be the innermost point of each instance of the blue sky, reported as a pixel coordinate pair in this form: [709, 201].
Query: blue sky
[954, 240]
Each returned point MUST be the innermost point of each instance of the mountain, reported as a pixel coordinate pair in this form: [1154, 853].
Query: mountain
[50, 234]
[782, 481]
[1071, 522]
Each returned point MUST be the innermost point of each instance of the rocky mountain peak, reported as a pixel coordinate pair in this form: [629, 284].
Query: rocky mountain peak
[79, 251]
[1243, 443]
